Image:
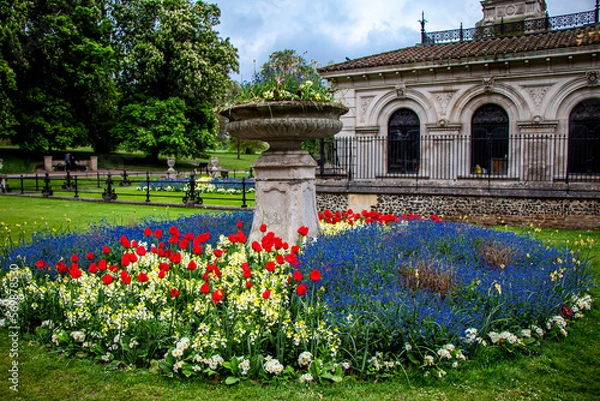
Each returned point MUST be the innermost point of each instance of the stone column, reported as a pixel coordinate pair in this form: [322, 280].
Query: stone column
[93, 163]
[285, 194]
[370, 153]
[48, 163]
[440, 153]
[538, 150]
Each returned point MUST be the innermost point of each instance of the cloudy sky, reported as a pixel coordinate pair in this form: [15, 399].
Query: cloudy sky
[331, 30]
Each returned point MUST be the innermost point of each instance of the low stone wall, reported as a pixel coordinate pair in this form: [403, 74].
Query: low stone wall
[564, 213]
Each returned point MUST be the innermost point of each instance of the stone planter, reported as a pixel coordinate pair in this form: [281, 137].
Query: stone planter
[285, 174]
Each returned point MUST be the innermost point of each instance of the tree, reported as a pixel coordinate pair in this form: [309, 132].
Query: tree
[62, 63]
[11, 18]
[287, 63]
[169, 50]
[161, 126]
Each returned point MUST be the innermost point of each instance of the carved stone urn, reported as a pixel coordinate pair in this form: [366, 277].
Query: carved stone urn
[285, 174]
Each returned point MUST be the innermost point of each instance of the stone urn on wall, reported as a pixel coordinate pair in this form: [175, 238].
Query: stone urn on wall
[285, 174]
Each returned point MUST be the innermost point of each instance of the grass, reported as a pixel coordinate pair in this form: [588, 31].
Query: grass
[18, 161]
[90, 188]
[24, 215]
[565, 370]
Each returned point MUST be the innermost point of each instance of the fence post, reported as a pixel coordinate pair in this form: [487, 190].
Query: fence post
[350, 155]
[22, 185]
[47, 191]
[125, 182]
[244, 205]
[37, 186]
[190, 196]
[147, 187]
[67, 185]
[76, 193]
[109, 193]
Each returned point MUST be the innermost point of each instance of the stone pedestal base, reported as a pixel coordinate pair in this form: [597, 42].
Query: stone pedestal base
[48, 163]
[285, 195]
[94, 163]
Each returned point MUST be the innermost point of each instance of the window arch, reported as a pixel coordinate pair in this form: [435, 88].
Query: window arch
[404, 142]
[489, 140]
[584, 138]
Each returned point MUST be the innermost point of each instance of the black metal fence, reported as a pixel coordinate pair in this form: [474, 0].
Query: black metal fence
[190, 190]
[520, 158]
[513, 28]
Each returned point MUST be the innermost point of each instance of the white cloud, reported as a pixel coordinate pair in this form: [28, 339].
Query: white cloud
[330, 30]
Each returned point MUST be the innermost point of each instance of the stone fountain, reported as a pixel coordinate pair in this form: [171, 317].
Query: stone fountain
[285, 174]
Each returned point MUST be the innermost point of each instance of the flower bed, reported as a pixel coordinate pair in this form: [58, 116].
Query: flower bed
[203, 185]
[374, 295]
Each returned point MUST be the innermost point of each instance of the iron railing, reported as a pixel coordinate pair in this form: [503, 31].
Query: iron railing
[559, 22]
[136, 187]
[517, 158]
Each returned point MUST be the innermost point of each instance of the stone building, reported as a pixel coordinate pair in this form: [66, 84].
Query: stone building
[500, 121]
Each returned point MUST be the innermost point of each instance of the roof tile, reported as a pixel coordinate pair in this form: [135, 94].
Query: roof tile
[586, 36]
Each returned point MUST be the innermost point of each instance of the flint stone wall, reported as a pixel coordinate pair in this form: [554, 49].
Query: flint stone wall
[563, 213]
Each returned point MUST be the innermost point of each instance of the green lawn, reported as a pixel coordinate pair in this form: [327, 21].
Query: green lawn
[562, 370]
[17, 161]
[23, 215]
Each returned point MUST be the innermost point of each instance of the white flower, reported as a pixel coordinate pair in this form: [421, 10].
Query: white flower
[215, 361]
[470, 335]
[305, 359]
[273, 366]
[133, 343]
[306, 378]
[407, 347]
[526, 333]
[78, 336]
[183, 343]
[449, 347]
[244, 366]
[444, 354]
[177, 366]
[429, 360]
[508, 336]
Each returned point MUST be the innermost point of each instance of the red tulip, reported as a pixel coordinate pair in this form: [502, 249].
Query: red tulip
[301, 289]
[315, 275]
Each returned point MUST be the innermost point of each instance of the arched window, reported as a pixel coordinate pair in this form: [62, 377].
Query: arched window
[404, 142]
[489, 140]
[584, 138]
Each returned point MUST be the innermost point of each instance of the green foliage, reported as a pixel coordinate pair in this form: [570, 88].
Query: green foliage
[170, 56]
[61, 62]
[286, 76]
[247, 147]
[68, 69]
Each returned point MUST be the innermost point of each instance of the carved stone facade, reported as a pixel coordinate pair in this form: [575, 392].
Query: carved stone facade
[537, 86]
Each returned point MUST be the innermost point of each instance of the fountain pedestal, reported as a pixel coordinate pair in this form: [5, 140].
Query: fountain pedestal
[285, 174]
[285, 194]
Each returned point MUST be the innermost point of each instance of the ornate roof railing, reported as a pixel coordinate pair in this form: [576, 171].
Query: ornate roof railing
[525, 26]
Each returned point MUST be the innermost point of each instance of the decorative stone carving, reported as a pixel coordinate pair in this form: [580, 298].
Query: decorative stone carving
[537, 94]
[488, 84]
[443, 98]
[401, 90]
[365, 101]
[593, 78]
